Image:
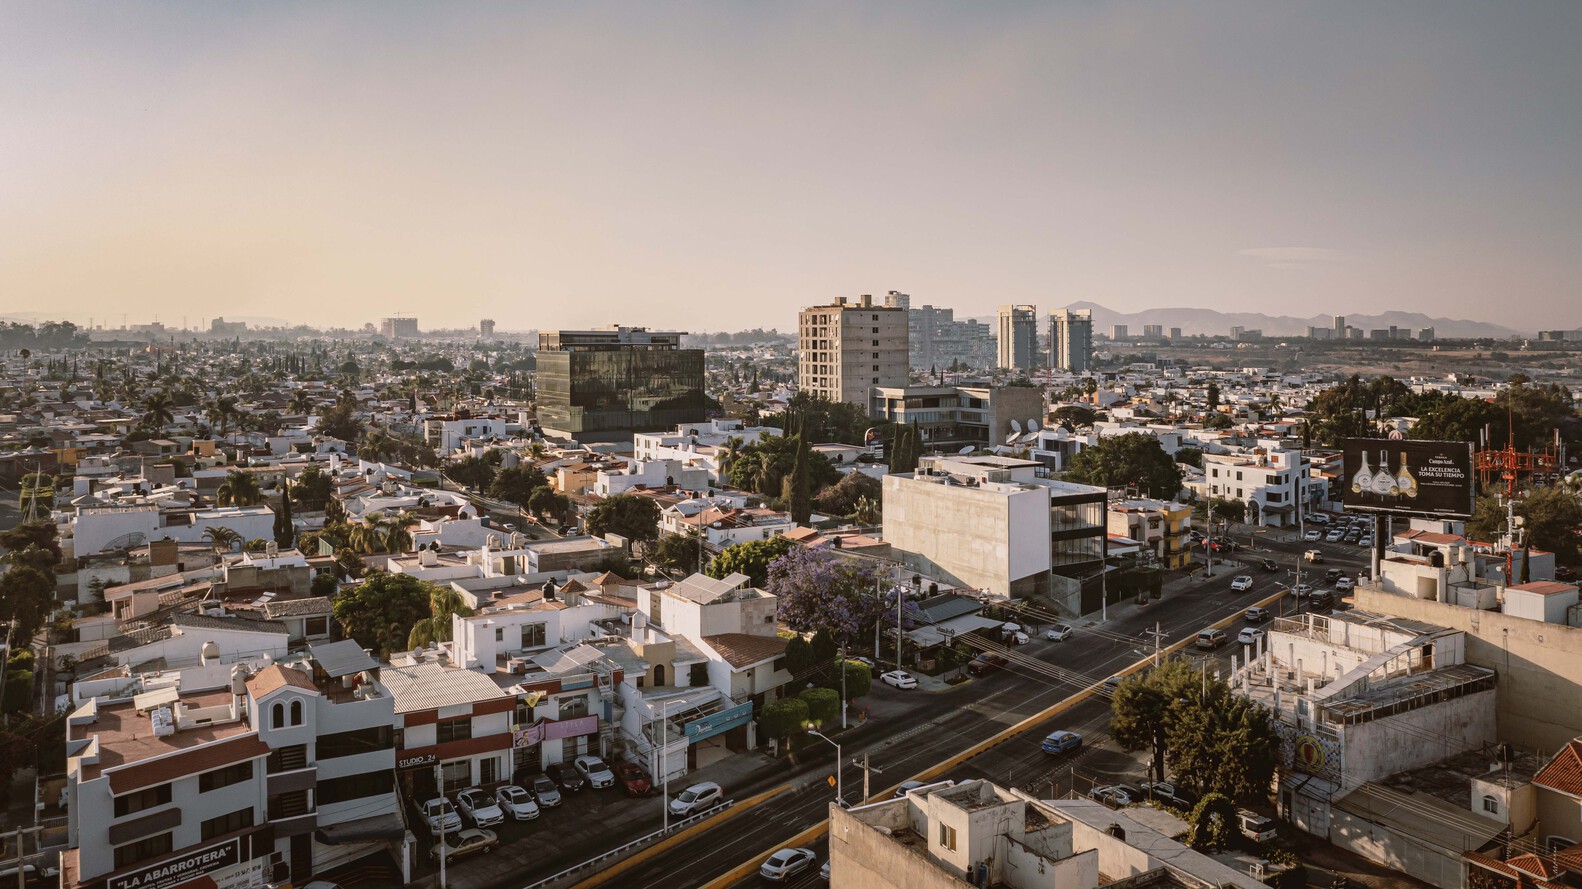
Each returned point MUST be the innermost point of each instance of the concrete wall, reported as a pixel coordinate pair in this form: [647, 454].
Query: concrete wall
[1432, 863]
[1558, 816]
[1539, 665]
[969, 537]
[1378, 749]
[861, 857]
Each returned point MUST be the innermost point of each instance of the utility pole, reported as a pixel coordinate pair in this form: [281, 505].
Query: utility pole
[664, 767]
[843, 698]
[865, 792]
[444, 840]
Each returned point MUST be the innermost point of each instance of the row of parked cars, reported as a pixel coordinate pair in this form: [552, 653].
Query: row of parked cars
[1346, 529]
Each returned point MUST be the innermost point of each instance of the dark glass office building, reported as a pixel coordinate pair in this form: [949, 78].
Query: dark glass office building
[624, 379]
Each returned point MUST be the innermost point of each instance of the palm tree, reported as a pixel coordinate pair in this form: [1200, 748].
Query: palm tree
[257, 545]
[221, 538]
[156, 409]
[301, 401]
[733, 449]
[395, 536]
[366, 536]
[239, 489]
[443, 601]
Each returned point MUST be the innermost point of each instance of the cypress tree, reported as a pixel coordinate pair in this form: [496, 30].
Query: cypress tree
[285, 534]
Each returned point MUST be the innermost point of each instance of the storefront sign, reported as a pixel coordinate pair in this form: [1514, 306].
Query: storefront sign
[719, 723]
[174, 871]
[571, 728]
[417, 759]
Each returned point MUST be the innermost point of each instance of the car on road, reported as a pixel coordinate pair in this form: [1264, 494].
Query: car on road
[594, 769]
[899, 679]
[1269, 565]
[566, 778]
[1250, 636]
[1210, 639]
[1312, 536]
[1344, 584]
[543, 788]
[1242, 583]
[1303, 590]
[1061, 741]
[1166, 791]
[516, 802]
[1257, 614]
[1013, 634]
[509, 527]
[1059, 633]
[1314, 556]
[440, 816]
[696, 798]
[1113, 797]
[984, 664]
[479, 807]
[1321, 600]
[823, 872]
[787, 863]
[1332, 574]
[634, 781]
[465, 842]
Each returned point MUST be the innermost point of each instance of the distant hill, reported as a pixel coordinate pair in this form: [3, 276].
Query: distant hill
[1210, 322]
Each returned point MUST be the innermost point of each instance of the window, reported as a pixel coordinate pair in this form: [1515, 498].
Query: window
[277, 715]
[318, 626]
[363, 740]
[1491, 804]
[227, 823]
[571, 708]
[288, 759]
[147, 798]
[289, 805]
[350, 787]
[296, 712]
[458, 729]
[947, 837]
[143, 849]
[780, 663]
[232, 774]
[699, 675]
[457, 775]
[488, 770]
[499, 634]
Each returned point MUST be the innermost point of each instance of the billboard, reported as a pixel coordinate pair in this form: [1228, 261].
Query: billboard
[1408, 477]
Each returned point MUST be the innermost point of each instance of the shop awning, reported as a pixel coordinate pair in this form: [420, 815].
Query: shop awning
[364, 830]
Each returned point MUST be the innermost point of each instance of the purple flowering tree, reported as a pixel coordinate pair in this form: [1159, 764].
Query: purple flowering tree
[819, 591]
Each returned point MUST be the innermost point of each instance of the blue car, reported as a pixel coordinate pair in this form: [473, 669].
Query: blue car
[1062, 742]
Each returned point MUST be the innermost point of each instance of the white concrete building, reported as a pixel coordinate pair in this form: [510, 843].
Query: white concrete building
[1272, 484]
[698, 445]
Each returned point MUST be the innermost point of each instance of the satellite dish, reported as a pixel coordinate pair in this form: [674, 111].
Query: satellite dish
[1011, 439]
[1016, 426]
[969, 448]
[1032, 424]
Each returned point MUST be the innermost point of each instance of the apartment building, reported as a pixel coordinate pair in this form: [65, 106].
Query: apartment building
[938, 341]
[846, 348]
[453, 727]
[1162, 526]
[235, 772]
[953, 417]
[1017, 337]
[998, 524]
[616, 380]
[706, 445]
[1273, 484]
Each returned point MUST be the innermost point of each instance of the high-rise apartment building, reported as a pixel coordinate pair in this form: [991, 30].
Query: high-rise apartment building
[845, 348]
[1017, 337]
[1119, 332]
[1153, 331]
[486, 328]
[618, 379]
[1175, 333]
[1340, 327]
[1071, 340]
[398, 326]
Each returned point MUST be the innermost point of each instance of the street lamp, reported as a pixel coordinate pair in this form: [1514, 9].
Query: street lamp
[840, 784]
[664, 768]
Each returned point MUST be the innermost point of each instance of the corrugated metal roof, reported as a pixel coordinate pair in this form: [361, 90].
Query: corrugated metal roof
[432, 686]
[342, 658]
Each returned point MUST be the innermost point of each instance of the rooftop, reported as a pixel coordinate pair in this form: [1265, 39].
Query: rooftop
[126, 736]
[430, 686]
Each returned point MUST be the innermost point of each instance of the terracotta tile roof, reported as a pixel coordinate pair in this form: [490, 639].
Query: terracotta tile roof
[1563, 774]
[275, 677]
[189, 762]
[743, 650]
[1534, 866]
[1570, 857]
[1493, 864]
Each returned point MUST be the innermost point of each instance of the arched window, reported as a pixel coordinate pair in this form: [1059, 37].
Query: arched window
[659, 674]
[296, 712]
[1491, 804]
[277, 715]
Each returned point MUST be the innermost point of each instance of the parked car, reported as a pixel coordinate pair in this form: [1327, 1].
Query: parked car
[787, 863]
[1061, 741]
[1312, 536]
[479, 807]
[594, 769]
[696, 798]
[1113, 797]
[566, 778]
[1242, 583]
[985, 664]
[516, 802]
[1254, 826]
[1013, 634]
[1166, 791]
[440, 815]
[1250, 636]
[1059, 633]
[823, 872]
[899, 679]
[1257, 614]
[543, 788]
[634, 781]
[1321, 600]
[1210, 639]
[862, 660]
[1334, 536]
[465, 842]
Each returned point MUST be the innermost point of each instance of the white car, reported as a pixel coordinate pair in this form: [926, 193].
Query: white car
[1250, 636]
[1242, 583]
[597, 773]
[477, 805]
[440, 815]
[899, 679]
[1344, 583]
[516, 802]
[696, 798]
[1058, 633]
[787, 863]
[1313, 535]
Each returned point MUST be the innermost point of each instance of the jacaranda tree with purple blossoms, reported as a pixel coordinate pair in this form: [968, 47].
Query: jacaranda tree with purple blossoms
[819, 591]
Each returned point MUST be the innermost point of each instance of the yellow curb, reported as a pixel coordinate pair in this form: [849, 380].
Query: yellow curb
[750, 866]
[627, 864]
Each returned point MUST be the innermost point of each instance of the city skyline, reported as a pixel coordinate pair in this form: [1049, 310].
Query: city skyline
[560, 168]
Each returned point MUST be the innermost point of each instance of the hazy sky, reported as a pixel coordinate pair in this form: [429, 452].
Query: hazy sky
[715, 166]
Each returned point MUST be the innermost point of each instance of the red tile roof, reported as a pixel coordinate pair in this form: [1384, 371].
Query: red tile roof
[1563, 774]
[1534, 866]
[275, 677]
[743, 650]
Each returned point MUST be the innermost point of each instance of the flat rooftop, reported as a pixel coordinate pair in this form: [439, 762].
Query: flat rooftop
[127, 736]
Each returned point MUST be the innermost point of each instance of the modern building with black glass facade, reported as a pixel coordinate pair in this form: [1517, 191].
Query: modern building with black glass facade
[616, 380]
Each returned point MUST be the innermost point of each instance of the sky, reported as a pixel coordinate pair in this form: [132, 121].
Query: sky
[715, 166]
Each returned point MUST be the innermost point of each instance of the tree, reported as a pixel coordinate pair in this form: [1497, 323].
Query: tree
[678, 553]
[1219, 421]
[905, 448]
[221, 538]
[476, 473]
[517, 484]
[1213, 397]
[823, 704]
[781, 718]
[27, 595]
[799, 485]
[818, 591]
[285, 531]
[42, 534]
[1133, 459]
[36, 492]
[443, 602]
[339, 420]
[239, 489]
[157, 410]
[381, 612]
[859, 679]
[1213, 822]
[841, 498]
[633, 517]
[312, 489]
[764, 465]
[799, 656]
[823, 420]
[1190, 457]
[546, 500]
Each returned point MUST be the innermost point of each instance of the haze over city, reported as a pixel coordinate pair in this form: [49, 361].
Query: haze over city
[565, 165]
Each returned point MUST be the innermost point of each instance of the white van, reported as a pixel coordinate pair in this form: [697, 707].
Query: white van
[1255, 827]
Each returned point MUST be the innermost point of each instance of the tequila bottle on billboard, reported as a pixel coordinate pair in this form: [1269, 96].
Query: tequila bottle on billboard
[1384, 480]
[1362, 482]
[1405, 482]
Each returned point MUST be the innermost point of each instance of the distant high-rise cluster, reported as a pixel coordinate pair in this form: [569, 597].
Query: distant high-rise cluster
[936, 340]
[1071, 340]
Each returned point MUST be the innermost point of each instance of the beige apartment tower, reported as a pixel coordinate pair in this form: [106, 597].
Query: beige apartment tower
[847, 348]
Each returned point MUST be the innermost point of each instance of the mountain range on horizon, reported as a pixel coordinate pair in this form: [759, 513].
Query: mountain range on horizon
[1211, 322]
